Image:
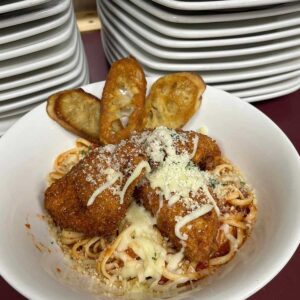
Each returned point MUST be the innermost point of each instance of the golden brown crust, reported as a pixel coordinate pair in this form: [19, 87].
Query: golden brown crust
[173, 100]
[201, 235]
[207, 148]
[66, 199]
[123, 101]
[76, 111]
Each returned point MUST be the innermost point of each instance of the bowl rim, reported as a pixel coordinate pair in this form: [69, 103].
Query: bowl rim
[26, 290]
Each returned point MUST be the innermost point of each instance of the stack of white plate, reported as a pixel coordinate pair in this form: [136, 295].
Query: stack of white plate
[40, 53]
[248, 47]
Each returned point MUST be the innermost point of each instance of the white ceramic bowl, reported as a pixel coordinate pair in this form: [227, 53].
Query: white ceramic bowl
[17, 5]
[35, 61]
[273, 95]
[206, 30]
[208, 64]
[29, 99]
[12, 94]
[199, 53]
[41, 74]
[177, 16]
[232, 77]
[286, 82]
[38, 42]
[246, 136]
[49, 9]
[163, 40]
[22, 31]
[213, 4]
[257, 82]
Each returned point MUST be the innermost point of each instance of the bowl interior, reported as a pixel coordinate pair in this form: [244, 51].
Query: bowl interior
[32, 262]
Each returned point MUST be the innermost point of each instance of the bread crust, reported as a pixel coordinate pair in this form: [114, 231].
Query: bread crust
[77, 111]
[173, 100]
[123, 101]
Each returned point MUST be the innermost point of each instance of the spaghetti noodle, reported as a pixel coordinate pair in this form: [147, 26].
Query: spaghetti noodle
[138, 255]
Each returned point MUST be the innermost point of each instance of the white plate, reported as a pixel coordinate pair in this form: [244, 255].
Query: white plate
[211, 30]
[18, 111]
[230, 63]
[35, 13]
[107, 51]
[162, 40]
[214, 77]
[273, 95]
[29, 29]
[268, 88]
[198, 53]
[275, 236]
[112, 55]
[212, 5]
[280, 91]
[17, 5]
[81, 56]
[176, 16]
[35, 61]
[38, 42]
[44, 84]
[257, 82]
[41, 74]
[43, 95]
[7, 119]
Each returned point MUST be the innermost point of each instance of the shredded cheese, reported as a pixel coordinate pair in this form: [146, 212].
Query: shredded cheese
[189, 218]
[196, 142]
[146, 243]
[112, 177]
[137, 171]
[174, 260]
[176, 178]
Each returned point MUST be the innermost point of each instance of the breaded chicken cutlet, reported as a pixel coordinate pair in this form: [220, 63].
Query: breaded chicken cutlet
[91, 198]
[201, 232]
[171, 169]
[74, 204]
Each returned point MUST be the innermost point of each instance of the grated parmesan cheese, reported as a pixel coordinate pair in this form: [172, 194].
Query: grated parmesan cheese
[112, 177]
[176, 178]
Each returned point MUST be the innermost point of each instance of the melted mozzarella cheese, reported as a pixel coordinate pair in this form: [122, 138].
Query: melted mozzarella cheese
[176, 177]
[173, 260]
[135, 174]
[195, 146]
[145, 242]
[204, 209]
[112, 177]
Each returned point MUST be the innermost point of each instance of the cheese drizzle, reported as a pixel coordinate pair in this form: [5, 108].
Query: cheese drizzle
[176, 178]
